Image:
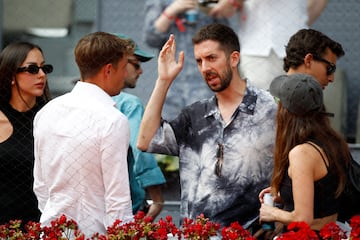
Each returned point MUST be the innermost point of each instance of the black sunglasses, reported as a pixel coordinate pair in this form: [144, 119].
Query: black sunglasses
[34, 69]
[330, 69]
[220, 159]
[135, 64]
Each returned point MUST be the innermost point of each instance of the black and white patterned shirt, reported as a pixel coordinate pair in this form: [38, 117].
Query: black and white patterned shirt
[247, 140]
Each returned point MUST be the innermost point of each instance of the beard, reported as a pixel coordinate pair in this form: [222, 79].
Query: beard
[130, 83]
[225, 79]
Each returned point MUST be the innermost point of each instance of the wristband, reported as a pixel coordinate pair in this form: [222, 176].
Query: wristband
[178, 21]
[235, 3]
[168, 16]
[158, 203]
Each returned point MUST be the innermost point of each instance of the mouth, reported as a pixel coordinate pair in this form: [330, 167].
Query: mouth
[40, 85]
[211, 78]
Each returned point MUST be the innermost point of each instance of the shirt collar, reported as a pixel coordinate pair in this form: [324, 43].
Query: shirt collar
[93, 91]
[246, 106]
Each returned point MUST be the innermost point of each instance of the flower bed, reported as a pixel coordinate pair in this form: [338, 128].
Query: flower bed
[142, 227]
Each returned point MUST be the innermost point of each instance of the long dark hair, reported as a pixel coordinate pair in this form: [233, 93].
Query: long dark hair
[293, 130]
[11, 58]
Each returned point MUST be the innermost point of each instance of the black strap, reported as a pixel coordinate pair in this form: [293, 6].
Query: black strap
[317, 148]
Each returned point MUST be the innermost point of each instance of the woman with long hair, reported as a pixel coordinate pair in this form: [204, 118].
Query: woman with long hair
[23, 91]
[310, 158]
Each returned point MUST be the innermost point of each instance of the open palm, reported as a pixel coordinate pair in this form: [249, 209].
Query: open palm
[168, 67]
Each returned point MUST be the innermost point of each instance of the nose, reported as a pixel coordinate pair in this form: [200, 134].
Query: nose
[41, 71]
[204, 67]
[331, 77]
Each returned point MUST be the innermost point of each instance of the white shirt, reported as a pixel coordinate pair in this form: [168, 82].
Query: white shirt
[269, 24]
[81, 144]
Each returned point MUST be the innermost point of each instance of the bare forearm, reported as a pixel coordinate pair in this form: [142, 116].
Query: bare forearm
[168, 69]
[152, 115]
[171, 12]
[315, 8]
[164, 21]
[155, 194]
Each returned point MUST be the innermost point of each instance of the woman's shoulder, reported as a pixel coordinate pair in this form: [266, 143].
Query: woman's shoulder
[3, 117]
[306, 153]
[309, 157]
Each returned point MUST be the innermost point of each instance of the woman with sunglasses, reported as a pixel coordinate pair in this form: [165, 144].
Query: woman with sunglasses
[23, 91]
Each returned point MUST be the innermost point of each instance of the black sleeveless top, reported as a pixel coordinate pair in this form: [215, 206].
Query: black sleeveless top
[17, 199]
[325, 201]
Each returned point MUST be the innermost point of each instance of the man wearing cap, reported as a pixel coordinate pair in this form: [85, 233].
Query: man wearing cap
[309, 156]
[144, 173]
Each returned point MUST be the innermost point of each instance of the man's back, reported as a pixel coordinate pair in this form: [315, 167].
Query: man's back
[79, 170]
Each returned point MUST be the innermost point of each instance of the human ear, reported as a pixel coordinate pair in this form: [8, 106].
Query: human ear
[307, 59]
[235, 58]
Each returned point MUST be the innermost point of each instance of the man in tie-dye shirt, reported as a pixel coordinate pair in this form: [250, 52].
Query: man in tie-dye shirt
[224, 143]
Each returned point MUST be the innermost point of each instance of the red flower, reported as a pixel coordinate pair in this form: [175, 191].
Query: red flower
[235, 232]
[298, 230]
[143, 227]
[199, 229]
[355, 228]
[333, 232]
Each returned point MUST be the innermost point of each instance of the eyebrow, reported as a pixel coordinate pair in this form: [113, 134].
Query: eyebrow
[29, 63]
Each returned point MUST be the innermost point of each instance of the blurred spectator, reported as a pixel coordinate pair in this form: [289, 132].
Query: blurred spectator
[265, 27]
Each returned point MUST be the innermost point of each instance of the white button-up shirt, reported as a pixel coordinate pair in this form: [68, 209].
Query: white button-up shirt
[81, 144]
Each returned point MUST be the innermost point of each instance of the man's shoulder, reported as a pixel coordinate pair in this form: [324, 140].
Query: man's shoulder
[127, 102]
[55, 102]
[125, 97]
[200, 107]
[263, 95]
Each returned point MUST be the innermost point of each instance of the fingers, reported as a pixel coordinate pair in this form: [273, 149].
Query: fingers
[170, 48]
[181, 59]
[261, 194]
[168, 43]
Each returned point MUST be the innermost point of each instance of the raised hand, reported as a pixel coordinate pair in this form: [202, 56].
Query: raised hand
[168, 67]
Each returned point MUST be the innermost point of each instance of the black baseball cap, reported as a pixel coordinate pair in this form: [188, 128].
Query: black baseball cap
[299, 93]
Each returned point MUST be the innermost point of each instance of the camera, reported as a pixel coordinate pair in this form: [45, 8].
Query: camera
[204, 5]
[207, 3]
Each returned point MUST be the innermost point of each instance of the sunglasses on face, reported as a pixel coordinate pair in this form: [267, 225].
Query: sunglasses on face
[134, 63]
[330, 69]
[34, 69]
